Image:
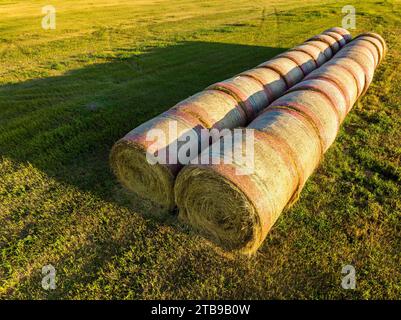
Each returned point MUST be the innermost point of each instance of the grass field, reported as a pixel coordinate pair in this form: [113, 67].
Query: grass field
[67, 95]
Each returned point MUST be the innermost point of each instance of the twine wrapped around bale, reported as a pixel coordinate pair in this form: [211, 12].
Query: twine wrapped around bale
[248, 92]
[324, 48]
[224, 105]
[272, 82]
[326, 38]
[290, 136]
[302, 59]
[341, 31]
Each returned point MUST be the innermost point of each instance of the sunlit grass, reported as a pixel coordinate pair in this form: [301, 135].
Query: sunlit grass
[67, 95]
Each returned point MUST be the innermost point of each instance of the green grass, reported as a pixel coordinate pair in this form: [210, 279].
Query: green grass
[67, 95]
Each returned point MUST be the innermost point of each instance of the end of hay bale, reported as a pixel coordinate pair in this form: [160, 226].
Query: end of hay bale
[150, 181]
[234, 225]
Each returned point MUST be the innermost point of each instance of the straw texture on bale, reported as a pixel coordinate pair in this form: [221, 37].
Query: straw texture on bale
[224, 105]
[302, 59]
[322, 46]
[288, 69]
[272, 82]
[341, 31]
[317, 107]
[248, 92]
[333, 43]
[291, 135]
[214, 109]
[317, 54]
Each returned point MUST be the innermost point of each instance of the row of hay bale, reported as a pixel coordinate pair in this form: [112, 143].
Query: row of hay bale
[290, 137]
[224, 105]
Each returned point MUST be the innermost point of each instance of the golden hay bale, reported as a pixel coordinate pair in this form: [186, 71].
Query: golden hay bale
[361, 51]
[236, 224]
[302, 59]
[325, 43]
[371, 48]
[207, 109]
[361, 73]
[224, 105]
[318, 56]
[341, 31]
[315, 106]
[363, 57]
[256, 200]
[378, 45]
[290, 136]
[273, 83]
[331, 91]
[295, 131]
[214, 109]
[334, 45]
[248, 92]
[287, 69]
[378, 37]
[340, 77]
[339, 38]
[356, 70]
[322, 46]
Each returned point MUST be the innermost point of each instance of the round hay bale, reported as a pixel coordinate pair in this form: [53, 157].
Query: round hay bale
[371, 48]
[315, 106]
[296, 132]
[129, 156]
[363, 57]
[339, 38]
[344, 32]
[287, 69]
[247, 206]
[376, 36]
[214, 109]
[273, 83]
[356, 70]
[248, 92]
[331, 91]
[328, 40]
[340, 77]
[313, 52]
[323, 47]
[359, 50]
[237, 211]
[378, 45]
[236, 101]
[302, 59]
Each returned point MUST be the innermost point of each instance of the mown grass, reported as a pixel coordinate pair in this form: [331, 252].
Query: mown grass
[67, 95]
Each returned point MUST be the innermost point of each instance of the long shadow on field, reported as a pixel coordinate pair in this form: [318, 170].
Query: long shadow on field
[66, 125]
